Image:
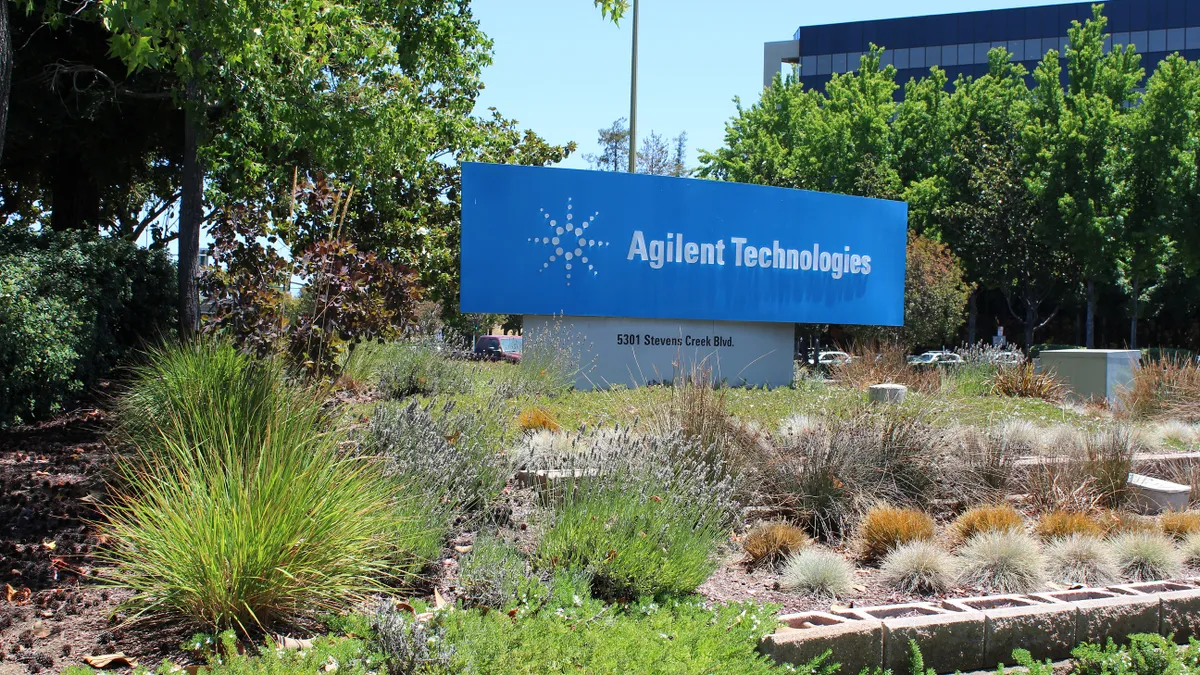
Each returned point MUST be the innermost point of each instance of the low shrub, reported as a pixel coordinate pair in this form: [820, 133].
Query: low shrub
[694, 406]
[411, 646]
[769, 543]
[74, 306]
[884, 528]
[451, 454]
[1146, 556]
[1146, 654]
[1081, 559]
[1002, 562]
[1026, 381]
[419, 367]
[1179, 524]
[1189, 548]
[818, 572]
[495, 574]
[644, 524]
[229, 525]
[1058, 524]
[536, 419]
[920, 567]
[995, 518]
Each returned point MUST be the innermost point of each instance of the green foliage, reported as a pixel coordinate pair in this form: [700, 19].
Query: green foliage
[421, 367]
[647, 521]
[495, 574]
[579, 634]
[1146, 654]
[244, 511]
[348, 654]
[71, 309]
[450, 454]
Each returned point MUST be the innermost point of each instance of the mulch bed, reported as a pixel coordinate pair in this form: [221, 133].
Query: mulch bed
[52, 611]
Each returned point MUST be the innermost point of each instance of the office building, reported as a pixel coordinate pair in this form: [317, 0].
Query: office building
[959, 43]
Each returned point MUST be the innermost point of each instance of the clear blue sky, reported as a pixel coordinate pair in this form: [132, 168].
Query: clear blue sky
[564, 72]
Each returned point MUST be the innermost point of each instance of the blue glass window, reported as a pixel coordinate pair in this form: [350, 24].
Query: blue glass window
[808, 65]
[824, 64]
[1017, 49]
[900, 58]
[981, 52]
[1140, 40]
[1033, 49]
[1176, 42]
[1157, 40]
[1193, 37]
[916, 57]
[949, 55]
[839, 63]
[1120, 38]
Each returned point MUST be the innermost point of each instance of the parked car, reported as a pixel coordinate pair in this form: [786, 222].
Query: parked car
[499, 348]
[936, 358]
[1008, 358]
[831, 358]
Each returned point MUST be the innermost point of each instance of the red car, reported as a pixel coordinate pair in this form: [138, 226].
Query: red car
[499, 348]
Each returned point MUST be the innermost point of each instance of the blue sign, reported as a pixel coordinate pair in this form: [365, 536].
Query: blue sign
[538, 240]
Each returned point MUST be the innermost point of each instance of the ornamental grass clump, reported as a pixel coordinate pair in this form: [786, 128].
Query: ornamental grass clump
[886, 527]
[818, 572]
[1146, 556]
[1057, 524]
[920, 567]
[646, 521]
[1081, 559]
[769, 543]
[994, 518]
[413, 368]
[1179, 524]
[254, 518]
[1002, 562]
[1189, 548]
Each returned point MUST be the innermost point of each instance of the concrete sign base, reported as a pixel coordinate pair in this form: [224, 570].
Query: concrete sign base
[635, 352]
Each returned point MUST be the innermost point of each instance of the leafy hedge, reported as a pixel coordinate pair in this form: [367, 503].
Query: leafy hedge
[71, 309]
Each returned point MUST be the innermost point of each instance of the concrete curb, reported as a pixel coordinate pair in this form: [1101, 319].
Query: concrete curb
[978, 633]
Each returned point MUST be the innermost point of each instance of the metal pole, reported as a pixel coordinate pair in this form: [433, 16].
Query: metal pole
[633, 95]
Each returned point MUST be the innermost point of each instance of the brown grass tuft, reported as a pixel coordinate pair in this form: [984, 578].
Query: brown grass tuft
[1165, 388]
[891, 367]
[994, 518]
[884, 528]
[1025, 381]
[1124, 522]
[1060, 524]
[536, 419]
[770, 543]
[1179, 524]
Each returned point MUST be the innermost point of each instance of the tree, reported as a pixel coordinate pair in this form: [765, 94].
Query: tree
[612, 9]
[1155, 140]
[1069, 140]
[614, 148]
[655, 156]
[356, 90]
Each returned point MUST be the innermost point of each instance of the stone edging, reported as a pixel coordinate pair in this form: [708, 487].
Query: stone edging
[971, 634]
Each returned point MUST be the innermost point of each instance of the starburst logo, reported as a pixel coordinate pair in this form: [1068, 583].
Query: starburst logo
[569, 243]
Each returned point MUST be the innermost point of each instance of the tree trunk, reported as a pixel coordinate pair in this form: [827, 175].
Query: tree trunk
[6, 59]
[1090, 325]
[1030, 322]
[972, 314]
[190, 214]
[1133, 319]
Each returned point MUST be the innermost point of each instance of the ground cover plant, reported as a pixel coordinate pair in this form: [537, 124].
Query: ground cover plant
[644, 524]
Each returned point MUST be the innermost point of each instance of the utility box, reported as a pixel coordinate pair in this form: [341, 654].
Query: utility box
[1092, 373]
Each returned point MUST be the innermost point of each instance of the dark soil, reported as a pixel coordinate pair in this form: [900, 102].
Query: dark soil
[53, 611]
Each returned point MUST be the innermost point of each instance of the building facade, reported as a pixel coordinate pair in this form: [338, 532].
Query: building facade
[959, 43]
